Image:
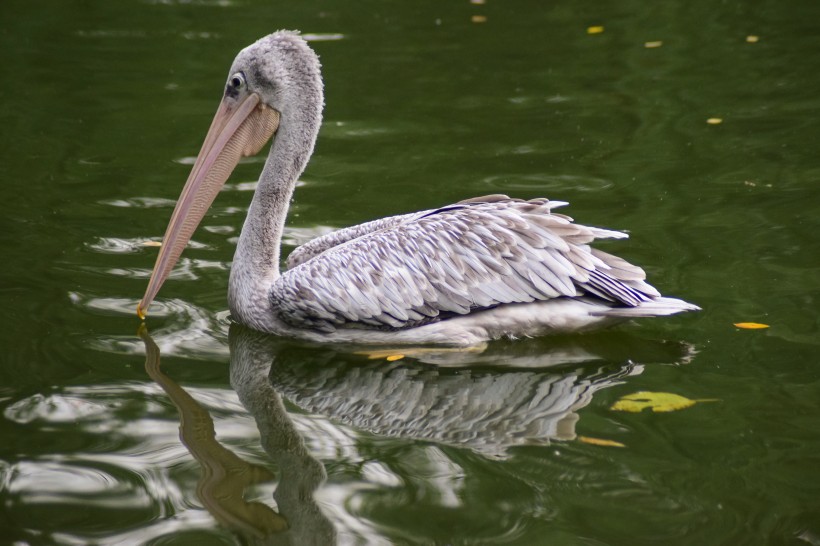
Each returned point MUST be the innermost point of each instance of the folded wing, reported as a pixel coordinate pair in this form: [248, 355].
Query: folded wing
[409, 270]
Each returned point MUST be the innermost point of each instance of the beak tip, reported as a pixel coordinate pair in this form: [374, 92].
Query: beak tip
[141, 311]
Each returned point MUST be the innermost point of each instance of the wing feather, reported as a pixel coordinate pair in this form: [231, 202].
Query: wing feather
[411, 269]
[318, 245]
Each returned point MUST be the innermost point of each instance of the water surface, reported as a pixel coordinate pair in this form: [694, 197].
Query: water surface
[104, 105]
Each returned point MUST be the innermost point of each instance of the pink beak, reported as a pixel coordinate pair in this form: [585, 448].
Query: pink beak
[241, 127]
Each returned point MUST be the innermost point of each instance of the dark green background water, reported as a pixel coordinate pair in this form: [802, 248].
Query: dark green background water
[103, 106]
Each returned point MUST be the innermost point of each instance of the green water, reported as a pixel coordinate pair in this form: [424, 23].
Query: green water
[103, 106]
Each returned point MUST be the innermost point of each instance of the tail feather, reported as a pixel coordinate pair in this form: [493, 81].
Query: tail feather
[657, 307]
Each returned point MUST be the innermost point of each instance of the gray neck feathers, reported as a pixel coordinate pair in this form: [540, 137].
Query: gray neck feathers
[256, 261]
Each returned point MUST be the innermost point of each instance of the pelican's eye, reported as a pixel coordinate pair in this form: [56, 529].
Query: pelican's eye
[236, 83]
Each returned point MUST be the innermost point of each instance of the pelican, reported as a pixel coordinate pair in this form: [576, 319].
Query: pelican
[480, 269]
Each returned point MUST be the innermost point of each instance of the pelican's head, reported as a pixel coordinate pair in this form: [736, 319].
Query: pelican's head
[273, 82]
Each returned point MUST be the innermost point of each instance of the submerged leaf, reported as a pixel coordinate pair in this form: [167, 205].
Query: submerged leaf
[600, 442]
[751, 325]
[656, 401]
[595, 29]
[378, 354]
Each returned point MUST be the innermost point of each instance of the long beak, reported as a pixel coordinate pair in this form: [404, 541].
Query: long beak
[240, 128]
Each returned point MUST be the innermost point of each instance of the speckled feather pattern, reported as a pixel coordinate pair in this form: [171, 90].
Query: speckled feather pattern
[415, 269]
[318, 245]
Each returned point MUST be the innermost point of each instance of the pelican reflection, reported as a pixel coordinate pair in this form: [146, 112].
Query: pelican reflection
[225, 476]
[526, 393]
[506, 396]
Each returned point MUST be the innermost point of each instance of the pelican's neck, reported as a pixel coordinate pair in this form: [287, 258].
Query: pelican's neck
[256, 261]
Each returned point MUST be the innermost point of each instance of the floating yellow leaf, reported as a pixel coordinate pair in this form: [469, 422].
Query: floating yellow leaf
[595, 30]
[393, 358]
[151, 243]
[652, 45]
[751, 325]
[656, 401]
[600, 442]
[478, 18]
[752, 39]
[714, 121]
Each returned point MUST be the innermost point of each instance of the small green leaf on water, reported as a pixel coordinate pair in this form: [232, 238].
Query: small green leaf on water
[656, 401]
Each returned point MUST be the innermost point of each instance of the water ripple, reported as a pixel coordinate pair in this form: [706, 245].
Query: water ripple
[54, 408]
[115, 245]
[131, 473]
[193, 332]
[204, 339]
[140, 202]
[51, 482]
[296, 236]
[555, 183]
[323, 37]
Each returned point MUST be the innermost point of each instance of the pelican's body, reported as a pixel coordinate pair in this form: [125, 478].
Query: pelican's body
[476, 270]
